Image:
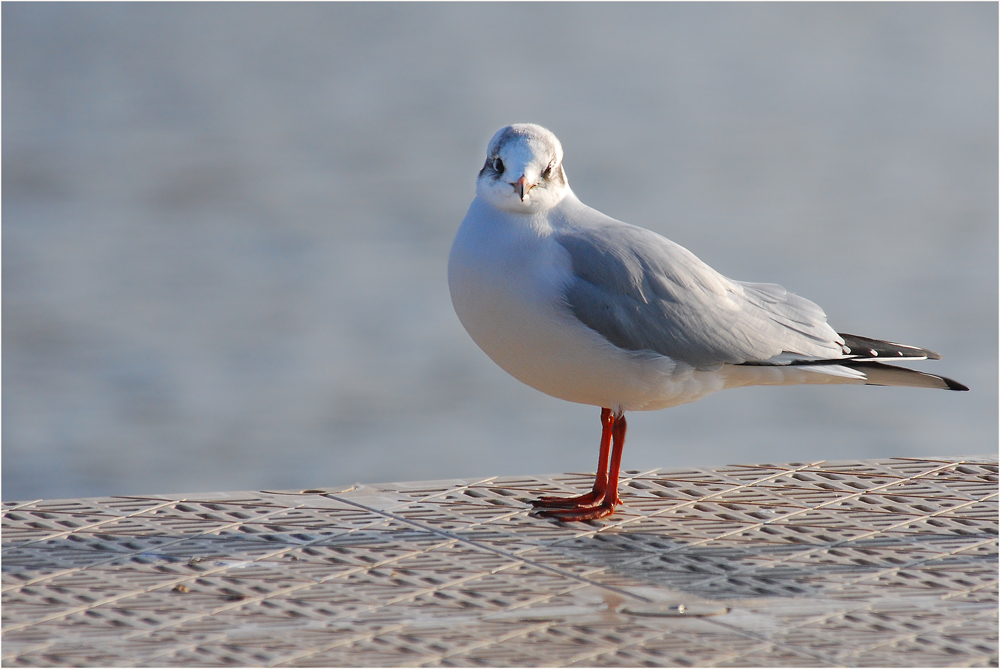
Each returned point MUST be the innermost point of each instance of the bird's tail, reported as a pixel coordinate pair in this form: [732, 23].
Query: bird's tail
[869, 356]
[863, 362]
[880, 374]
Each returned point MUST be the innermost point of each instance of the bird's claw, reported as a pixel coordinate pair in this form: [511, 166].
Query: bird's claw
[593, 505]
[579, 514]
[591, 499]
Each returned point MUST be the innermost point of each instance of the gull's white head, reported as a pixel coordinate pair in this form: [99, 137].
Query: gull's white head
[523, 171]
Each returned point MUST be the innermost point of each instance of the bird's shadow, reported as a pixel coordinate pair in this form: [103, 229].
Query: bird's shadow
[925, 563]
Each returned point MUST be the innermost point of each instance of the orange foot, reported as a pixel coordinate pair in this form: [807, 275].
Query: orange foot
[581, 513]
[590, 500]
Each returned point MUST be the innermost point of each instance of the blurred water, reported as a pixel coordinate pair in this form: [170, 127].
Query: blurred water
[226, 227]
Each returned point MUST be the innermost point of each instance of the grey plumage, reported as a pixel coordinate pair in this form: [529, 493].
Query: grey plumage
[643, 292]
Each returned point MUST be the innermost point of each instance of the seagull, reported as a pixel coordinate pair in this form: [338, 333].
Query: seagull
[592, 310]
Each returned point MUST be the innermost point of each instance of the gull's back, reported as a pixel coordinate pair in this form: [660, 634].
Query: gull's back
[642, 292]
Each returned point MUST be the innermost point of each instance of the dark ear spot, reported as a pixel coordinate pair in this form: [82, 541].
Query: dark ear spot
[558, 174]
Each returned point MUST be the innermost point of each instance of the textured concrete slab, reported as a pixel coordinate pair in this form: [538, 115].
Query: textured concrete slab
[888, 563]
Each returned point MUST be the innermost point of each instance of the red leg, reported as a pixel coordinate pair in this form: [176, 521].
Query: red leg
[596, 495]
[611, 499]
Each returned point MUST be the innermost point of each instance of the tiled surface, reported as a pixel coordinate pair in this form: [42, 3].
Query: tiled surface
[884, 563]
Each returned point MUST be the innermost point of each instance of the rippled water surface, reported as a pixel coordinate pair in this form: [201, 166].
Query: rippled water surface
[226, 227]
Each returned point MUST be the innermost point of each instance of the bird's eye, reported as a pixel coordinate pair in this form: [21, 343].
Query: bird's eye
[548, 171]
[498, 165]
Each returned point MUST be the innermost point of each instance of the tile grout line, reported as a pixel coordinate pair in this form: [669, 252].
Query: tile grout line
[824, 547]
[66, 533]
[242, 602]
[378, 519]
[119, 556]
[817, 507]
[506, 554]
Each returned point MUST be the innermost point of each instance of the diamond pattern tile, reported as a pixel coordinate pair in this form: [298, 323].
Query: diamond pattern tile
[867, 563]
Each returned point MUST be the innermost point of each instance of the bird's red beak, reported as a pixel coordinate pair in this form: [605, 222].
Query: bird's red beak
[522, 187]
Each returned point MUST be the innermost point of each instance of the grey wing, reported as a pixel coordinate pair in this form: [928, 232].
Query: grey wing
[643, 292]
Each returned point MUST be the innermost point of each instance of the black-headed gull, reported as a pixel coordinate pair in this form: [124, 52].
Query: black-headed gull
[592, 310]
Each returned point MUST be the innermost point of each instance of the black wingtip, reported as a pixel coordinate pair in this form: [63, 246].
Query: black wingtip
[863, 347]
[953, 385]
[881, 374]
